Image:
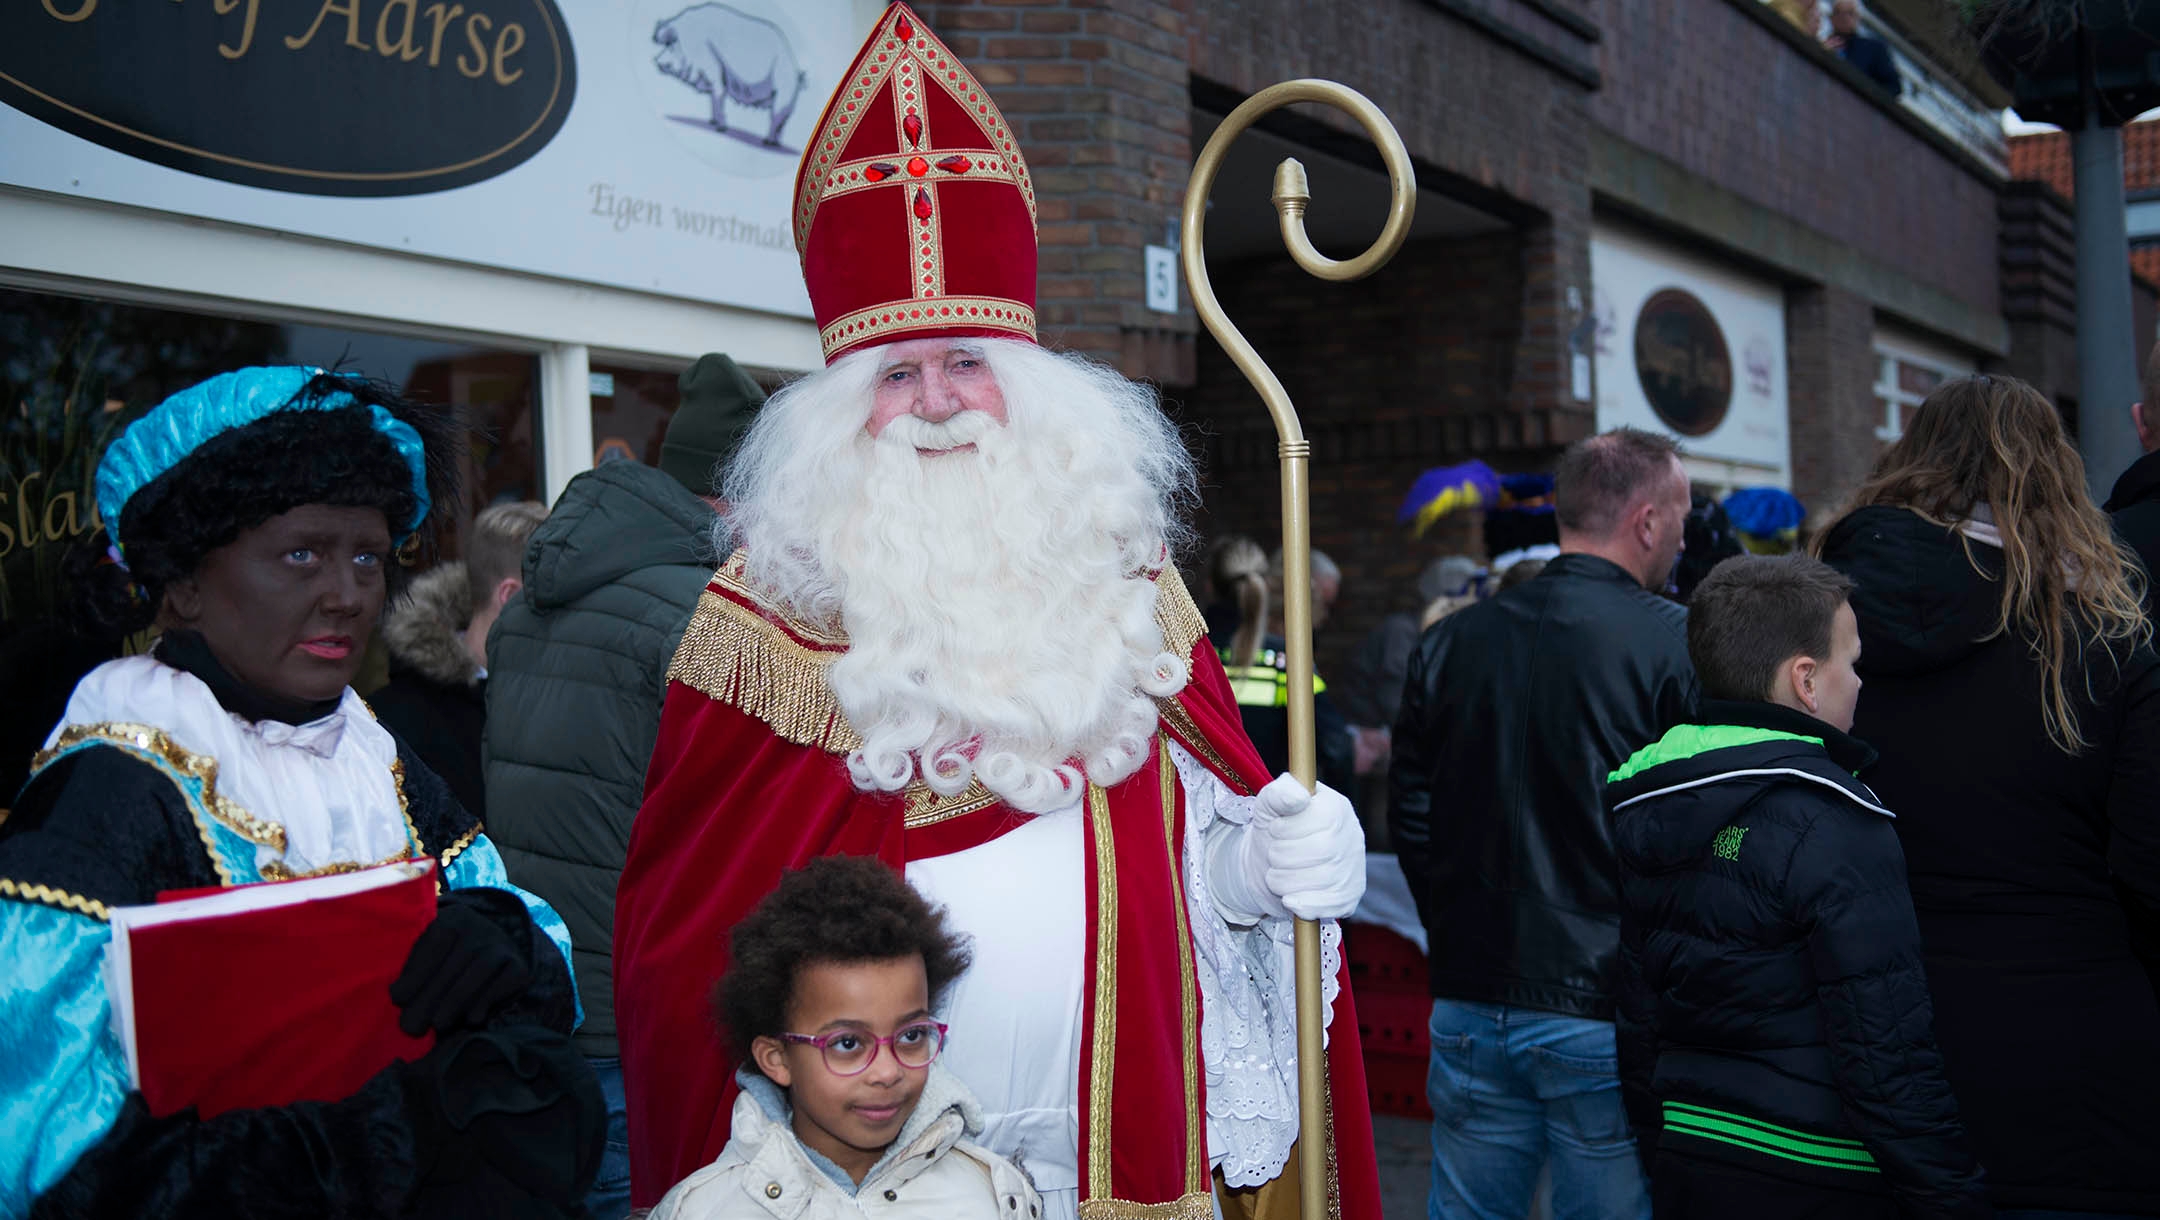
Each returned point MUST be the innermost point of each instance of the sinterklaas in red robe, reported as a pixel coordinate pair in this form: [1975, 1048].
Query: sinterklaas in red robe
[748, 779]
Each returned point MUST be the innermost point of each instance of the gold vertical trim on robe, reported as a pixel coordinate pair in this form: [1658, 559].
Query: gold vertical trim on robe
[1196, 1157]
[1105, 1034]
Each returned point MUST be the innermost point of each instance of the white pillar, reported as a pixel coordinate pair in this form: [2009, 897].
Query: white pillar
[566, 443]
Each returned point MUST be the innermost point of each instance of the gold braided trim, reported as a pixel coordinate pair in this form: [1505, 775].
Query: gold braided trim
[154, 745]
[847, 177]
[886, 323]
[1188, 733]
[928, 60]
[1196, 1159]
[927, 808]
[464, 841]
[1105, 1035]
[1199, 1206]
[412, 832]
[278, 870]
[25, 892]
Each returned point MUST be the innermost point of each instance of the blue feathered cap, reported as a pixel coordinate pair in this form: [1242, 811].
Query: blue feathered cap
[178, 426]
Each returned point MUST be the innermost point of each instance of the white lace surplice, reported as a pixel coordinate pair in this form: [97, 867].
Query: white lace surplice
[1016, 1015]
[1248, 993]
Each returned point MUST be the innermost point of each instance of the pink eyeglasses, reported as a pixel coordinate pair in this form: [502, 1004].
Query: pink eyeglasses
[849, 1053]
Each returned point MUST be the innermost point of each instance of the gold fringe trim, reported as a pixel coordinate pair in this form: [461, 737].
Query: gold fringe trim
[23, 892]
[745, 659]
[742, 656]
[1186, 1207]
[1181, 621]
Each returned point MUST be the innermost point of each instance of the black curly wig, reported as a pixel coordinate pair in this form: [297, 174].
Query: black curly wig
[833, 909]
[241, 478]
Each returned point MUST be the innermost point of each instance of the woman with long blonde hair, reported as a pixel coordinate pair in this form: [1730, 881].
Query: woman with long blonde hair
[2011, 687]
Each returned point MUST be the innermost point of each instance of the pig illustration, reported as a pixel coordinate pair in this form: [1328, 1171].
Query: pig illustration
[732, 57]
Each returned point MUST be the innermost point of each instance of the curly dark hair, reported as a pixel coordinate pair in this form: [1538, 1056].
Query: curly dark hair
[833, 909]
[241, 478]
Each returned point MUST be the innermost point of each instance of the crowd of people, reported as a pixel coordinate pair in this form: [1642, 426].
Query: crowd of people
[1761, 904]
[874, 822]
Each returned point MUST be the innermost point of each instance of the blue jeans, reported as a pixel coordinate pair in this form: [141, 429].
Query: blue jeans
[609, 1198]
[1513, 1089]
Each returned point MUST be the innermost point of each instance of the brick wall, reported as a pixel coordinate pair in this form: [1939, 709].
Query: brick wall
[1709, 88]
[1413, 368]
[1098, 91]
[1830, 379]
[1487, 118]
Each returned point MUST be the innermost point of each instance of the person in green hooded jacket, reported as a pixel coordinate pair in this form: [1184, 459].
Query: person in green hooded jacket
[579, 671]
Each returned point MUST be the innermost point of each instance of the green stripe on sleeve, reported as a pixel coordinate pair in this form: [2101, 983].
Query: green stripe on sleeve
[1829, 1152]
[1752, 1146]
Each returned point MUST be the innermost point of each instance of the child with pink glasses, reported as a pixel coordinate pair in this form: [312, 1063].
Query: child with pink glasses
[844, 1110]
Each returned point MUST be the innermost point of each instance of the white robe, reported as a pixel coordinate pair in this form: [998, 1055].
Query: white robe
[1016, 1013]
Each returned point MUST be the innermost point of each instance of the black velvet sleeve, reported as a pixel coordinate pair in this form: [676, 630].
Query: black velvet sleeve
[111, 828]
[104, 825]
[447, 831]
[1635, 1033]
[350, 1158]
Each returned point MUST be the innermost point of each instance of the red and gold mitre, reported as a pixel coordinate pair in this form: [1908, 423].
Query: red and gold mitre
[914, 215]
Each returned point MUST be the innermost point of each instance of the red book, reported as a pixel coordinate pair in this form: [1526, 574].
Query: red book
[264, 995]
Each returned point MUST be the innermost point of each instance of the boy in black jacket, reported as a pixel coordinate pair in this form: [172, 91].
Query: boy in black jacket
[1777, 1049]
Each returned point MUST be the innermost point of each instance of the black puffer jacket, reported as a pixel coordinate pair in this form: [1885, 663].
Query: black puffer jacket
[2030, 868]
[1515, 710]
[1773, 1009]
[2135, 505]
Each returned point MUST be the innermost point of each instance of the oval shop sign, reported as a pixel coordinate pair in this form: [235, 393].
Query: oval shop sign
[317, 97]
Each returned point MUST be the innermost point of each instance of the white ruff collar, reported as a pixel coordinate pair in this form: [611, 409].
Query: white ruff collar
[329, 782]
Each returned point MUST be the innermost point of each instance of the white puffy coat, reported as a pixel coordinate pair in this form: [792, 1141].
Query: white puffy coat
[931, 1171]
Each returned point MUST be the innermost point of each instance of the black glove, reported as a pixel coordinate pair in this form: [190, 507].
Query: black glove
[506, 1122]
[475, 955]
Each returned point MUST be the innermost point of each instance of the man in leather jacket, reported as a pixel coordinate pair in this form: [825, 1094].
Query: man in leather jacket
[1514, 712]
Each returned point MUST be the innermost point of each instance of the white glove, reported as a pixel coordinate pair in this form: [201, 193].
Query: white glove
[1302, 855]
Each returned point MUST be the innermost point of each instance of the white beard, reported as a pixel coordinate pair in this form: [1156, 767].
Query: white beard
[998, 603]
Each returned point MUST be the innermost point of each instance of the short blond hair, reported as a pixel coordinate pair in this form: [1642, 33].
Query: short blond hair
[495, 546]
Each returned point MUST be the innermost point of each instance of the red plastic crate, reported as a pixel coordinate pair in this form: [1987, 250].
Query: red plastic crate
[1394, 1008]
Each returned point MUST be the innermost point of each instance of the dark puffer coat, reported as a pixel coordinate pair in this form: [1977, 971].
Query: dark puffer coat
[1773, 1010]
[2135, 505]
[579, 670]
[2034, 872]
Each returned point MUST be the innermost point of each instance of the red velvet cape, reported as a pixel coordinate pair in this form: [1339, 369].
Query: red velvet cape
[747, 780]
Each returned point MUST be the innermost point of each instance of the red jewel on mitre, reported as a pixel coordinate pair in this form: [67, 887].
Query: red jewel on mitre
[914, 215]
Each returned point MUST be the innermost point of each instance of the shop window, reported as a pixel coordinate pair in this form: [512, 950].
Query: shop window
[630, 413]
[631, 409]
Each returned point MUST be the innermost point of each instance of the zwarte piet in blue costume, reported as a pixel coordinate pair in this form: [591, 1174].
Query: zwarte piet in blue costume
[254, 521]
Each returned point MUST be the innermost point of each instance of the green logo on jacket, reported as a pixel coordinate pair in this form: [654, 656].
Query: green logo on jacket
[1727, 842]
